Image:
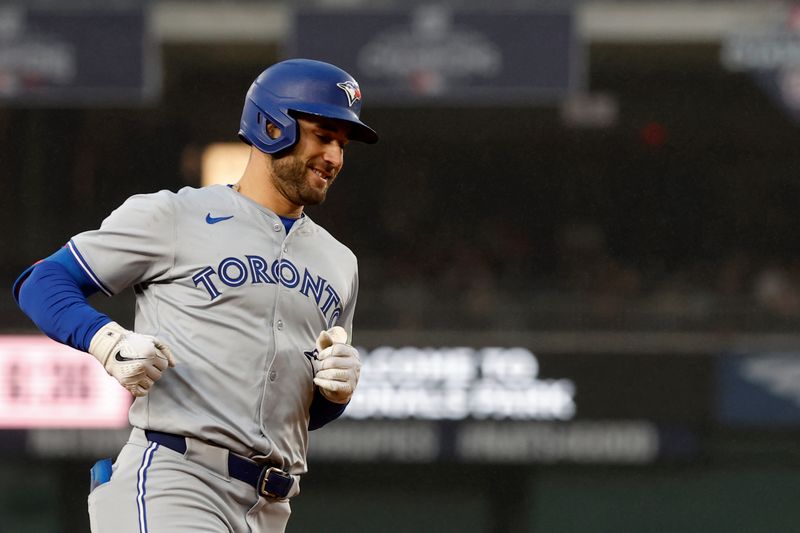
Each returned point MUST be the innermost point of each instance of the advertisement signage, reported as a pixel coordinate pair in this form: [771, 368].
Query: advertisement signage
[65, 56]
[415, 404]
[447, 56]
[455, 383]
[760, 390]
[44, 384]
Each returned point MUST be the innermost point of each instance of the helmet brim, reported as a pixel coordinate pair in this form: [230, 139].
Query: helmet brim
[358, 131]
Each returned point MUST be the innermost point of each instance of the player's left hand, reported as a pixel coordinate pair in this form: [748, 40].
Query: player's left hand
[337, 368]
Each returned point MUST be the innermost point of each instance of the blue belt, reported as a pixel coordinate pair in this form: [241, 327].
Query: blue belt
[268, 481]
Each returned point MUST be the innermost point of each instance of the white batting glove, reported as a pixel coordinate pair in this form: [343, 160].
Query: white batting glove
[337, 367]
[135, 360]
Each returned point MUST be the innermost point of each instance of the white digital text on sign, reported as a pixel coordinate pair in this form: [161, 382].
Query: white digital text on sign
[455, 383]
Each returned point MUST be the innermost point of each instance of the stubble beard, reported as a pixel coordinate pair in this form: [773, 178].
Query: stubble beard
[289, 177]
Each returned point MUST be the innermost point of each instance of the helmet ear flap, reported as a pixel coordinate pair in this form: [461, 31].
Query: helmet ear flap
[254, 127]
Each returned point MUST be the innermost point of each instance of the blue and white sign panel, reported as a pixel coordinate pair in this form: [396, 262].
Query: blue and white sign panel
[447, 56]
[759, 390]
[76, 57]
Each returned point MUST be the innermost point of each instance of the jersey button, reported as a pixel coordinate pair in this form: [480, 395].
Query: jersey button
[276, 227]
[272, 375]
[279, 324]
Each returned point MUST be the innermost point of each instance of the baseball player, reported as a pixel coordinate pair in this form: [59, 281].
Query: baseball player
[244, 310]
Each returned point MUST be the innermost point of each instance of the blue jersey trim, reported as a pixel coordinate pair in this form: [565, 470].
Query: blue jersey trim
[86, 269]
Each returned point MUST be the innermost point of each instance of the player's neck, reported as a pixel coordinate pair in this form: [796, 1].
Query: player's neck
[256, 183]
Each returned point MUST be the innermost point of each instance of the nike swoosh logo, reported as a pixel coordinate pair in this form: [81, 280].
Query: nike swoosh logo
[214, 220]
[122, 359]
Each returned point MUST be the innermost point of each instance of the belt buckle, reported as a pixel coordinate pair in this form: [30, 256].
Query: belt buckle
[275, 479]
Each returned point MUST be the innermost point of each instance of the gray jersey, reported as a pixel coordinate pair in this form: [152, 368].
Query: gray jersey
[238, 301]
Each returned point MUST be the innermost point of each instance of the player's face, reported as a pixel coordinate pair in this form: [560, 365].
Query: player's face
[305, 174]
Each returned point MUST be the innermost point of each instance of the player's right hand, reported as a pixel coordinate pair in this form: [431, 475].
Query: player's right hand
[135, 360]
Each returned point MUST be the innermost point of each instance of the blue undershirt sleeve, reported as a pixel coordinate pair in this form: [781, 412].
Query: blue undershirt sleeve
[53, 294]
[323, 411]
[65, 258]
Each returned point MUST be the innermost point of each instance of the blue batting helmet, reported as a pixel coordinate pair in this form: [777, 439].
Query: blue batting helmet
[302, 86]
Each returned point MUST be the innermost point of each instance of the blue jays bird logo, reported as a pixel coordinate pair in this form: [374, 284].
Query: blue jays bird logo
[352, 91]
[312, 355]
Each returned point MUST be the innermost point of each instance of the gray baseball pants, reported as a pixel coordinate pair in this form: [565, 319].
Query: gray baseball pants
[154, 489]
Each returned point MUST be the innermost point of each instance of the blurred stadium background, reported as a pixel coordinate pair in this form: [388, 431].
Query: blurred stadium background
[577, 242]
